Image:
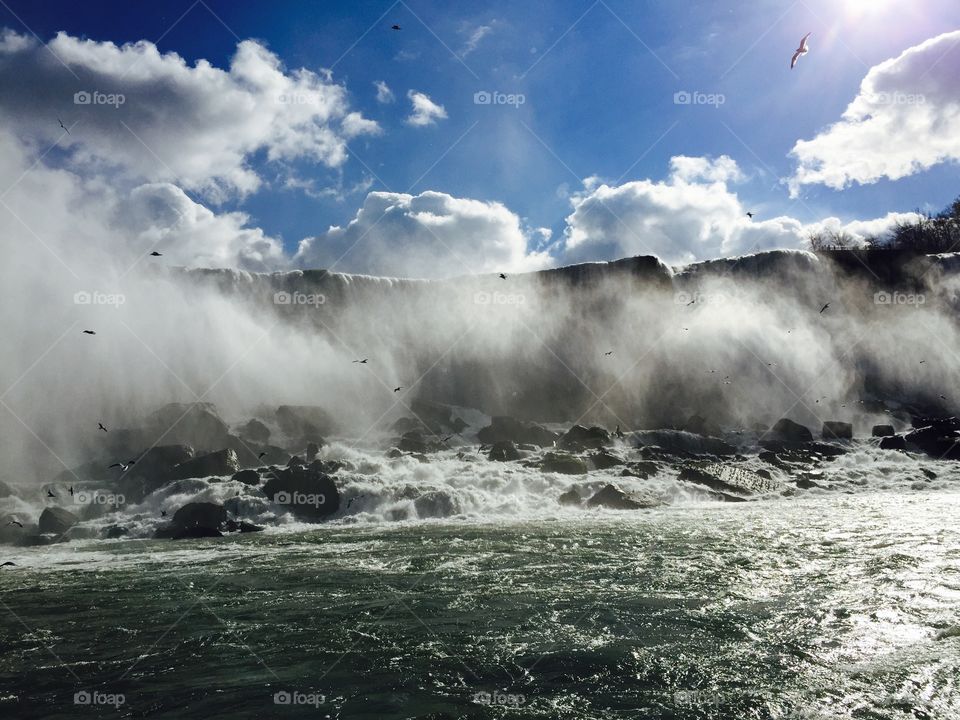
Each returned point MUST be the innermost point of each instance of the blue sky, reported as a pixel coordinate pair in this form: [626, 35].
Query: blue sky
[599, 82]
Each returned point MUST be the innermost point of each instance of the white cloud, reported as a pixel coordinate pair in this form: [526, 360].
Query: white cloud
[425, 111]
[691, 216]
[384, 93]
[905, 119]
[195, 125]
[476, 35]
[427, 236]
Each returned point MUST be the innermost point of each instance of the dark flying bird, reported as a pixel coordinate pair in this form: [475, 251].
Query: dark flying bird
[89, 332]
[398, 388]
[395, 27]
[50, 494]
[123, 466]
[101, 427]
[922, 362]
[15, 522]
[824, 308]
[156, 254]
[608, 353]
[802, 50]
[502, 276]
[8, 563]
[362, 362]
[691, 302]
[63, 126]
[163, 513]
[71, 491]
[260, 455]
[750, 215]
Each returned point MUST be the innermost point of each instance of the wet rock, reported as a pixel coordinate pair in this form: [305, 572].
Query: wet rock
[223, 462]
[806, 484]
[114, 531]
[679, 443]
[730, 479]
[435, 504]
[414, 442]
[247, 477]
[698, 425]
[581, 438]
[836, 430]
[643, 469]
[201, 514]
[299, 421]
[883, 431]
[504, 428]
[570, 497]
[308, 494]
[296, 461]
[194, 424]
[56, 521]
[563, 463]
[787, 431]
[313, 449]
[328, 467]
[153, 470]
[241, 526]
[613, 498]
[940, 439]
[503, 451]
[255, 431]
[894, 442]
[603, 460]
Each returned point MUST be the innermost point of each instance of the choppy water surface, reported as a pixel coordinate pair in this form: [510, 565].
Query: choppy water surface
[839, 606]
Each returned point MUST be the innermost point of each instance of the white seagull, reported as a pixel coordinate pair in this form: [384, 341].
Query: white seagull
[802, 50]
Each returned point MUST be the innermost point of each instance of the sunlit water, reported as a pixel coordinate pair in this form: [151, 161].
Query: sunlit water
[831, 606]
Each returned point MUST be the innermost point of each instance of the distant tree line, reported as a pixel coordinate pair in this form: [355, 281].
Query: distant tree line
[927, 234]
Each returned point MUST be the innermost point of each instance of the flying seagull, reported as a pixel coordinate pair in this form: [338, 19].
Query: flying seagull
[802, 50]
[824, 308]
[362, 362]
[15, 522]
[123, 466]
[260, 455]
[394, 27]
[398, 388]
[750, 215]
[71, 491]
[50, 494]
[63, 126]
[609, 353]
[691, 302]
[101, 427]
[156, 254]
[502, 276]
[89, 332]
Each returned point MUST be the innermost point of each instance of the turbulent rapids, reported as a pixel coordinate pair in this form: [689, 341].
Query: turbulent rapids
[216, 401]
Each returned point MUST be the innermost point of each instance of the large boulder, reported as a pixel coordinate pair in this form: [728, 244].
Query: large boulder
[940, 439]
[56, 521]
[883, 431]
[787, 431]
[153, 470]
[247, 477]
[613, 498]
[678, 443]
[503, 451]
[894, 442]
[836, 430]
[503, 428]
[223, 462]
[255, 431]
[563, 463]
[570, 497]
[582, 438]
[414, 442]
[308, 494]
[730, 479]
[202, 514]
[194, 424]
[603, 460]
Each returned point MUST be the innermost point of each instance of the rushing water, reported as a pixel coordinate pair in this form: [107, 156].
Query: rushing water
[829, 606]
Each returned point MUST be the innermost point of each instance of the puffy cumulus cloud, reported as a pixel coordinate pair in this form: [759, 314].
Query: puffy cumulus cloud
[384, 93]
[861, 230]
[692, 215]
[158, 119]
[427, 236]
[425, 111]
[905, 119]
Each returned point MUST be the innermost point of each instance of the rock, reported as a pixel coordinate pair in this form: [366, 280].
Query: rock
[436, 504]
[247, 477]
[679, 443]
[202, 514]
[883, 431]
[313, 449]
[327, 467]
[296, 461]
[274, 456]
[730, 479]
[698, 425]
[436, 416]
[570, 497]
[503, 451]
[940, 439]
[642, 469]
[894, 442]
[153, 470]
[563, 463]
[223, 462]
[255, 431]
[791, 456]
[580, 438]
[504, 428]
[414, 442]
[114, 531]
[786, 430]
[194, 424]
[806, 484]
[241, 526]
[835, 430]
[603, 460]
[308, 494]
[56, 521]
[613, 498]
